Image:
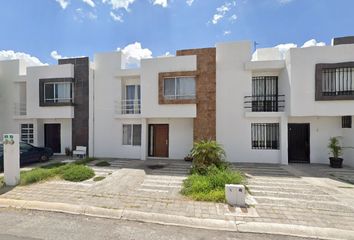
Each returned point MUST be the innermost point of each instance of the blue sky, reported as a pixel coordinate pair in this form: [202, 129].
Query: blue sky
[83, 27]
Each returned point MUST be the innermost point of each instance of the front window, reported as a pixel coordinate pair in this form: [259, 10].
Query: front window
[179, 88]
[132, 134]
[27, 133]
[265, 135]
[58, 92]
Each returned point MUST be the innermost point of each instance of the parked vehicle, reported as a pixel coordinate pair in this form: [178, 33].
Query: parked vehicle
[28, 154]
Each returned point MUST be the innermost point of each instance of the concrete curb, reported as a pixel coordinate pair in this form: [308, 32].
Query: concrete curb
[175, 220]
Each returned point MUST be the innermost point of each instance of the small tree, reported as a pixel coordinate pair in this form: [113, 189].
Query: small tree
[334, 147]
[206, 153]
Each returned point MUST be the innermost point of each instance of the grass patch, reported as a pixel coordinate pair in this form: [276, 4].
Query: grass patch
[36, 175]
[78, 173]
[103, 164]
[99, 178]
[71, 172]
[85, 161]
[211, 185]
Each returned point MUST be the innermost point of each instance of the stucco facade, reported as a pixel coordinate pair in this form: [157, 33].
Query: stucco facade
[261, 106]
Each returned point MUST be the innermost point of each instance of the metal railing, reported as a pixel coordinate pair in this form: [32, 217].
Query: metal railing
[265, 103]
[20, 109]
[128, 106]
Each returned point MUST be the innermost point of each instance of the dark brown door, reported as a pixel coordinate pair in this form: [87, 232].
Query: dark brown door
[158, 140]
[52, 137]
[299, 143]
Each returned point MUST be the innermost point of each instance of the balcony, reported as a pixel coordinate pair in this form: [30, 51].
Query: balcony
[128, 107]
[265, 103]
[20, 109]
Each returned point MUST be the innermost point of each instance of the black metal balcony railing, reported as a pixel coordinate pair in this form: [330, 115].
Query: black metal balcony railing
[266, 103]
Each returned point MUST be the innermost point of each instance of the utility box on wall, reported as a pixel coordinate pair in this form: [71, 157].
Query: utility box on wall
[235, 195]
[11, 159]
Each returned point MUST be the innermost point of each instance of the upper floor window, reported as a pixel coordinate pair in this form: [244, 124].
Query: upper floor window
[179, 88]
[265, 97]
[334, 81]
[131, 102]
[338, 81]
[60, 92]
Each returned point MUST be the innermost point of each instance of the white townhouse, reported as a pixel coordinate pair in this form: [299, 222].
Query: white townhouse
[263, 106]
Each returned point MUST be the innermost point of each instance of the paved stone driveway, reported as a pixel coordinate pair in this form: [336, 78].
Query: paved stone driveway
[309, 195]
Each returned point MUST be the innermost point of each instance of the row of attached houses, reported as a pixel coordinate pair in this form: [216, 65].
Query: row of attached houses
[264, 106]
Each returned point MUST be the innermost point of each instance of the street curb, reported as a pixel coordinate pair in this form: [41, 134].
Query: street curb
[175, 220]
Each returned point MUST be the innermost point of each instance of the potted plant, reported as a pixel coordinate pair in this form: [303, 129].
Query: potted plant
[188, 158]
[336, 150]
[68, 152]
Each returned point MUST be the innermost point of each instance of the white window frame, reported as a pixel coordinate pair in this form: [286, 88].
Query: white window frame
[27, 138]
[175, 96]
[131, 140]
[58, 100]
[132, 106]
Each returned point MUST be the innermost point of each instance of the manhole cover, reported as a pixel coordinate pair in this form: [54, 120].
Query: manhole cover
[156, 166]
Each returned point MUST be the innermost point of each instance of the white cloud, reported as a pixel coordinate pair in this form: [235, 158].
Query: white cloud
[55, 55]
[189, 2]
[163, 3]
[284, 1]
[166, 54]
[90, 2]
[222, 11]
[313, 43]
[28, 59]
[115, 17]
[283, 48]
[81, 15]
[133, 53]
[227, 32]
[233, 18]
[63, 3]
[117, 4]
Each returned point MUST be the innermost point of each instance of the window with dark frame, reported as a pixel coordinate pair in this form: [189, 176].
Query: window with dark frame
[347, 122]
[27, 134]
[265, 135]
[179, 88]
[265, 94]
[60, 92]
[132, 134]
[338, 81]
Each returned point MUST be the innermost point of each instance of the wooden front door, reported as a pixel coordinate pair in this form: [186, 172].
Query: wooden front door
[52, 137]
[158, 140]
[299, 143]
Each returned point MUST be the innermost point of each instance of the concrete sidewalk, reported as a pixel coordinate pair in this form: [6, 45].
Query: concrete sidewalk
[288, 200]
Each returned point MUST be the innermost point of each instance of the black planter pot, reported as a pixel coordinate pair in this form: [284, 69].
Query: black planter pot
[336, 162]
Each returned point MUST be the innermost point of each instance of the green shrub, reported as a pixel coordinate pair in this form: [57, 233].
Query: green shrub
[210, 186]
[36, 175]
[207, 153]
[103, 164]
[77, 173]
[85, 161]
